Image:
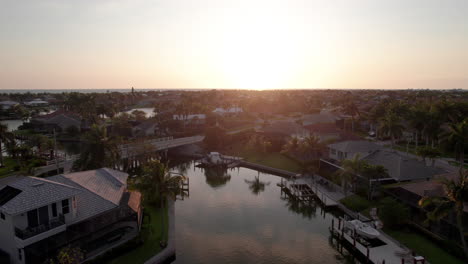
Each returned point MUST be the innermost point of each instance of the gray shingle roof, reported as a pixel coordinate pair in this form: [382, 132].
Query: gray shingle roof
[88, 204]
[35, 193]
[402, 168]
[355, 146]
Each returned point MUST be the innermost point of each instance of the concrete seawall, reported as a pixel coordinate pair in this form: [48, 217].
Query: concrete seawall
[267, 169]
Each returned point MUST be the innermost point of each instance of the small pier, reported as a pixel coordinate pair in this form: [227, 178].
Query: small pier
[304, 192]
[380, 250]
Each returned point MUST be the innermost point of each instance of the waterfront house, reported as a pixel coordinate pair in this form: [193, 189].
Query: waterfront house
[348, 149]
[410, 194]
[59, 120]
[38, 216]
[145, 129]
[401, 167]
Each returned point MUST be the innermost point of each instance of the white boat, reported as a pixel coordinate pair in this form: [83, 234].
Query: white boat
[362, 229]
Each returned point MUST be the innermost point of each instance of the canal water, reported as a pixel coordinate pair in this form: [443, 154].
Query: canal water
[241, 216]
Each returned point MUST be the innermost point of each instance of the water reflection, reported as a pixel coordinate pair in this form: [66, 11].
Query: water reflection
[307, 210]
[217, 177]
[230, 225]
[255, 185]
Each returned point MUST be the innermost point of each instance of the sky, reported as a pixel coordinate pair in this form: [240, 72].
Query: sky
[254, 44]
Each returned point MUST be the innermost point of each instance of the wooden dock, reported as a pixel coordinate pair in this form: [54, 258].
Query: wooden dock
[305, 193]
[387, 252]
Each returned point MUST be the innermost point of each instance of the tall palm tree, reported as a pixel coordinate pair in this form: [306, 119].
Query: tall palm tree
[351, 169]
[456, 195]
[5, 136]
[417, 121]
[458, 137]
[391, 125]
[311, 146]
[158, 184]
[100, 150]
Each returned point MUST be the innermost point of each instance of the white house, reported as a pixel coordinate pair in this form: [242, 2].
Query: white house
[40, 215]
[228, 111]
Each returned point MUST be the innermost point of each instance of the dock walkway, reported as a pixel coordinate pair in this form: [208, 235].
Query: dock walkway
[328, 193]
[390, 252]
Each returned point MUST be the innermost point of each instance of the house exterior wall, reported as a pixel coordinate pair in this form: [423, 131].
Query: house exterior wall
[7, 238]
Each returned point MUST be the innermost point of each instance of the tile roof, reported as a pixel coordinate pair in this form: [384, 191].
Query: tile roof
[32, 194]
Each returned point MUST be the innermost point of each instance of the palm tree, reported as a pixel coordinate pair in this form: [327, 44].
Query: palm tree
[456, 194]
[158, 184]
[99, 150]
[350, 171]
[311, 145]
[390, 124]
[255, 185]
[292, 146]
[458, 137]
[417, 120]
[5, 136]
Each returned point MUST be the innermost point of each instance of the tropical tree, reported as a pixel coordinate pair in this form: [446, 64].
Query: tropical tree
[311, 146]
[99, 151]
[456, 195]
[292, 145]
[390, 124]
[457, 136]
[417, 120]
[351, 169]
[428, 152]
[159, 184]
[5, 136]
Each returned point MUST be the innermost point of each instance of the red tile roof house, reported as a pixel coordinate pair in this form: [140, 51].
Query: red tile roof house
[38, 216]
[411, 193]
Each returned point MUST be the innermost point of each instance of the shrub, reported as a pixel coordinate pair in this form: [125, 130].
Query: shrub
[356, 203]
[392, 213]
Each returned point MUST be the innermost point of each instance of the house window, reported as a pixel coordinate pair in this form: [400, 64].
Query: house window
[54, 210]
[65, 206]
[20, 254]
[333, 151]
[2, 216]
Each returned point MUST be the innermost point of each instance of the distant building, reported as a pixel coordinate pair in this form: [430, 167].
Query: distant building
[37, 102]
[194, 119]
[59, 120]
[228, 111]
[144, 129]
[5, 105]
[38, 216]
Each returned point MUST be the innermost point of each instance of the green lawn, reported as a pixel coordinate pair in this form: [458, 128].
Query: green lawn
[424, 247]
[152, 234]
[275, 160]
[9, 165]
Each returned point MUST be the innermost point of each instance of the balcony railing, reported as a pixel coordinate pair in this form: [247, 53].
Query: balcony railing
[34, 231]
